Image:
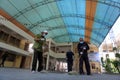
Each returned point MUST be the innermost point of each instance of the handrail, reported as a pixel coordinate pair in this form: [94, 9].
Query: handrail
[56, 55]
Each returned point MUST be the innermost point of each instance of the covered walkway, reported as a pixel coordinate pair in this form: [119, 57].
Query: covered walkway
[24, 74]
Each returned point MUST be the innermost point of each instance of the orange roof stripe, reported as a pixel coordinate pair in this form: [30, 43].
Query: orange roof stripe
[90, 11]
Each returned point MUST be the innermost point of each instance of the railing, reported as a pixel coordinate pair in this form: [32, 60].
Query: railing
[14, 44]
[56, 55]
[14, 49]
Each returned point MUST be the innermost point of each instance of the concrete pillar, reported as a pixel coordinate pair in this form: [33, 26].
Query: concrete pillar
[17, 61]
[22, 44]
[48, 56]
[28, 62]
[76, 58]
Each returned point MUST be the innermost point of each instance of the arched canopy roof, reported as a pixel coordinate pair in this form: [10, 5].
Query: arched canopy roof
[65, 20]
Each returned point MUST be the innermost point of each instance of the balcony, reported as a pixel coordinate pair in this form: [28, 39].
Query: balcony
[13, 48]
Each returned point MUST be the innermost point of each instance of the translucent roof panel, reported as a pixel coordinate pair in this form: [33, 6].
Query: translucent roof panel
[65, 20]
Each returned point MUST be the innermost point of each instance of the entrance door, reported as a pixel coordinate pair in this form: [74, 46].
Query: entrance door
[23, 62]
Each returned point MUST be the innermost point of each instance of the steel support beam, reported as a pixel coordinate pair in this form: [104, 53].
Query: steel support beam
[71, 15]
[45, 2]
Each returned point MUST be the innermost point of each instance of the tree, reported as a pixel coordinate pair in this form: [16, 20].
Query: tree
[116, 62]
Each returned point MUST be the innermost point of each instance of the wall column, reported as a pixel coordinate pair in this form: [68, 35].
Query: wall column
[17, 61]
[48, 56]
[76, 58]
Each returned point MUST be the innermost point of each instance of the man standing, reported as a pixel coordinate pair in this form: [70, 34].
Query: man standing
[82, 50]
[38, 51]
[4, 57]
[69, 57]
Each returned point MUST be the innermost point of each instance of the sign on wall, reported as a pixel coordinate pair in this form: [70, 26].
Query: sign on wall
[94, 57]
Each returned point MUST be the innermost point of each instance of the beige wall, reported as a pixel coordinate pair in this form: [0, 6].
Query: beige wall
[17, 61]
[8, 64]
[28, 62]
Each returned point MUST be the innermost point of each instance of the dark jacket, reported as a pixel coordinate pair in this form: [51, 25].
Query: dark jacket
[4, 56]
[69, 56]
[81, 47]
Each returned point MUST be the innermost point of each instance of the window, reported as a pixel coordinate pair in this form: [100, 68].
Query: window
[17, 42]
[11, 57]
[93, 65]
[14, 41]
[26, 46]
[107, 55]
[1, 53]
[3, 35]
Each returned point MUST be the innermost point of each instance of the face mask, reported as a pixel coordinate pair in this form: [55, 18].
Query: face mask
[43, 34]
[81, 41]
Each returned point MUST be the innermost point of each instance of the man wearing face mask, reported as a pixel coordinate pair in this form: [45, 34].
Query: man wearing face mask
[38, 51]
[82, 50]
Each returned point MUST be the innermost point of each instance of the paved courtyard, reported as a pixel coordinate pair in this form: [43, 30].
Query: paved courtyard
[24, 74]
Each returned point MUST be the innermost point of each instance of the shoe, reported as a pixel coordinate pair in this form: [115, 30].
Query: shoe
[33, 71]
[39, 70]
[43, 71]
[82, 73]
[88, 74]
